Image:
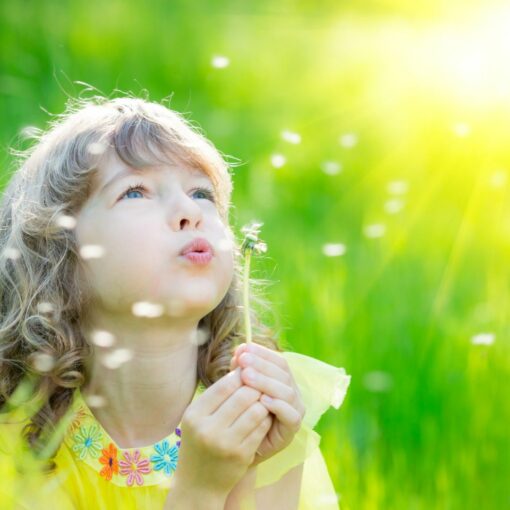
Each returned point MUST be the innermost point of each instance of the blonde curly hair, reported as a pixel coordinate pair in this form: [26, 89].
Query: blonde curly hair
[43, 298]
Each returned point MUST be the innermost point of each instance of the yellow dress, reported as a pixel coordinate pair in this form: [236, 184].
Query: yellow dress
[94, 473]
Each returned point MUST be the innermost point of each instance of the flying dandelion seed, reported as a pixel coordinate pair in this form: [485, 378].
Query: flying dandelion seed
[200, 336]
[96, 148]
[43, 362]
[95, 400]
[398, 187]
[377, 381]
[220, 61]
[11, 253]
[498, 179]
[117, 358]
[66, 221]
[45, 307]
[291, 137]
[334, 249]
[103, 338]
[461, 129]
[92, 251]
[483, 339]
[278, 160]
[393, 206]
[375, 230]
[147, 309]
[348, 140]
[331, 167]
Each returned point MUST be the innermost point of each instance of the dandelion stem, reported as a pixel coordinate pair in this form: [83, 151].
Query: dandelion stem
[246, 296]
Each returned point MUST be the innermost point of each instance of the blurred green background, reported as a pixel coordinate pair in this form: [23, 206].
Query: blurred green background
[374, 136]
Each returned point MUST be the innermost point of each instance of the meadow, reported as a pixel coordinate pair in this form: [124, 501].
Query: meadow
[373, 138]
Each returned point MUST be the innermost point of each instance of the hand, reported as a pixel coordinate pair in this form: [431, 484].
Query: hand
[221, 431]
[273, 378]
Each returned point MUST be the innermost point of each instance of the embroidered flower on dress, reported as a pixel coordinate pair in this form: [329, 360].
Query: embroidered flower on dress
[77, 419]
[133, 467]
[109, 459]
[88, 441]
[166, 457]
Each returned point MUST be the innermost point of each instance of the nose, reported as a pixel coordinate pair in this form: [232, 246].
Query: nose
[185, 213]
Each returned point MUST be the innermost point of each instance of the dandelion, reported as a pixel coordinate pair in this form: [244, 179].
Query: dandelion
[251, 242]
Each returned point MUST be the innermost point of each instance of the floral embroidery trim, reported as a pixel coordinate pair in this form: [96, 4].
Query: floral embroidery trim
[111, 464]
[130, 467]
[167, 456]
[133, 466]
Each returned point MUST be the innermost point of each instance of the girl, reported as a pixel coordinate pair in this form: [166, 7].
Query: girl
[121, 310]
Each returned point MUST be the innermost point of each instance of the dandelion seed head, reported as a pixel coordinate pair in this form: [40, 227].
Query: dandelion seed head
[348, 140]
[103, 338]
[393, 206]
[378, 381]
[92, 251]
[66, 221]
[278, 160]
[375, 230]
[483, 339]
[147, 309]
[220, 61]
[331, 167]
[291, 137]
[334, 249]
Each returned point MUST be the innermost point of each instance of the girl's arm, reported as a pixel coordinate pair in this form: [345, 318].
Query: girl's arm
[283, 494]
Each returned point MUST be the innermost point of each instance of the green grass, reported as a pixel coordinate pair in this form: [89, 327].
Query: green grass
[425, 422]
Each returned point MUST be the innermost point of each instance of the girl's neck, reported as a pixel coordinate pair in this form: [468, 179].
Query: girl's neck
[146, 396]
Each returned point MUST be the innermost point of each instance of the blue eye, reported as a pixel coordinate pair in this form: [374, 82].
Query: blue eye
[137, 187]
[207, 194]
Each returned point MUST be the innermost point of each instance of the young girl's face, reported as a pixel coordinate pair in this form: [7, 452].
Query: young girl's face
[140, 234]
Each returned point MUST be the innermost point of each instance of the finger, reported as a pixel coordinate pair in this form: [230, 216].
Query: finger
[265, 367]
[247, 421]
[287, 415]
[214, 396]
[241, 400]
[266, 353]
[252, 440]
[268, 385]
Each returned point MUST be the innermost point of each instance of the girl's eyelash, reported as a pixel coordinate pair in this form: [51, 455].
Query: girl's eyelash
[140, 187]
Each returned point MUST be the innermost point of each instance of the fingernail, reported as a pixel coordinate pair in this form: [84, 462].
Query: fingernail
[266, 399]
